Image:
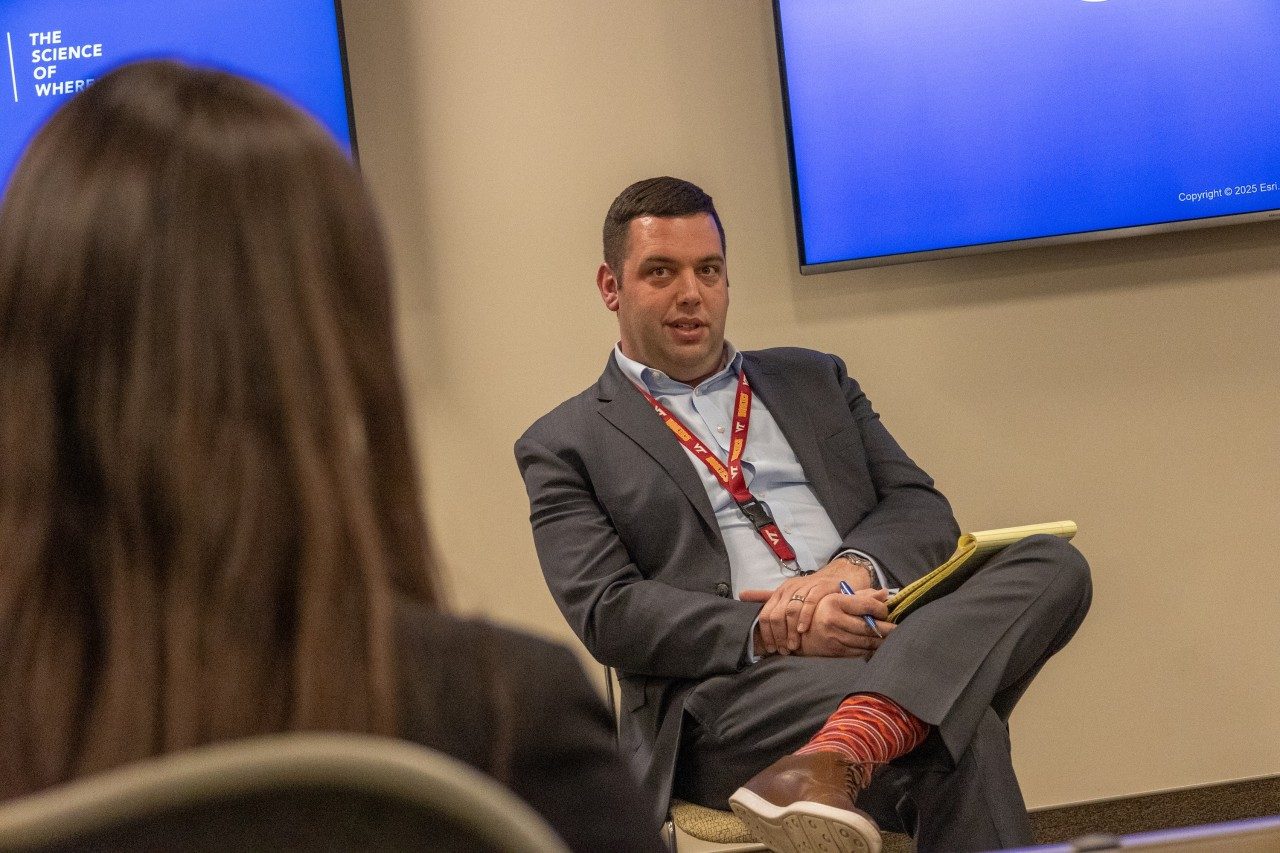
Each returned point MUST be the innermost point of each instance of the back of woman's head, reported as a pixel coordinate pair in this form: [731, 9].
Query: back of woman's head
[207, 498]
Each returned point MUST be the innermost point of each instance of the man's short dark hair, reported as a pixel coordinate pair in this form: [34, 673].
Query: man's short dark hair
[663, 196]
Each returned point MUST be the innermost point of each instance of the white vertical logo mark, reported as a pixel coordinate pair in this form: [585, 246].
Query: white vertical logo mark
[13, 70]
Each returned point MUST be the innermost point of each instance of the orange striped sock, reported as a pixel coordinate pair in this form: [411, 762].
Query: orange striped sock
[869, 730]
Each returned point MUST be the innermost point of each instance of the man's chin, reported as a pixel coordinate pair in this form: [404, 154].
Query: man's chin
[693, 370]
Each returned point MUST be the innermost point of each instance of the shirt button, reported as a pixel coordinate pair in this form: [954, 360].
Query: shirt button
[720, 429]
[786, 530]
[723, 590]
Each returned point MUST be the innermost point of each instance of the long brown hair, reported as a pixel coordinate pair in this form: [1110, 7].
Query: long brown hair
[207, 493]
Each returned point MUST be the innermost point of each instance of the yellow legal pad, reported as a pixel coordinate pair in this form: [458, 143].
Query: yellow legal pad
[972, 550]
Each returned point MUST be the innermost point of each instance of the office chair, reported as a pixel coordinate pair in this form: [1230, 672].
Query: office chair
[293, 792]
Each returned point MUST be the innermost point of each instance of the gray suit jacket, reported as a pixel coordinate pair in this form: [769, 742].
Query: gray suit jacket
[634, 557]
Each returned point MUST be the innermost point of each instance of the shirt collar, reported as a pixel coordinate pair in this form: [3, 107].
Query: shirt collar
[658, 382]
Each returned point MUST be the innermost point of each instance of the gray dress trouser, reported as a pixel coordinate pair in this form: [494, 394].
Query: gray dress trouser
[960, 664]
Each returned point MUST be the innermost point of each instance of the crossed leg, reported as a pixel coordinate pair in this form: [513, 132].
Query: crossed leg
[960, 666]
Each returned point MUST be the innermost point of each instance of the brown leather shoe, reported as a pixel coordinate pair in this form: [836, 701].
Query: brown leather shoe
[804, 804]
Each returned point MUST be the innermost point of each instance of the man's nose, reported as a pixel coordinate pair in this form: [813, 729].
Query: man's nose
[690, 292]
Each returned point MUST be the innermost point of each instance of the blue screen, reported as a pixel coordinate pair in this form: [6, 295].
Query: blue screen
[53, 48]
[921, 125]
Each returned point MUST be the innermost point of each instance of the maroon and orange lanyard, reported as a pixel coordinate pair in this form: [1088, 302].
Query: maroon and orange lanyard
[730, 476]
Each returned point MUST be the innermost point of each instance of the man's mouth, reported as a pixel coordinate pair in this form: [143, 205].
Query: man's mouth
[686, 325]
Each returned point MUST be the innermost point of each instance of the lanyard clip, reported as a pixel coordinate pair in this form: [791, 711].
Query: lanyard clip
[757, 512]
[791, 567]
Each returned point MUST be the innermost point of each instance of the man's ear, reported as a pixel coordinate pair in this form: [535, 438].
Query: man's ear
[608, 285]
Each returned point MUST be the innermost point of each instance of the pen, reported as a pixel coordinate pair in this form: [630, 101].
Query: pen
[871, 623]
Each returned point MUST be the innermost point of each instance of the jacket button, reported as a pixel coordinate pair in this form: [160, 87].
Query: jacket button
[723, 590]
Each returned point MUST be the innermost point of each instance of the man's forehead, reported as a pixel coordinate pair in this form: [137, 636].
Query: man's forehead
[695, 234]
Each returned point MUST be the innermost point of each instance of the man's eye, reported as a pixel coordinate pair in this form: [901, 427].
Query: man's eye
[660, 272]
[710, 270]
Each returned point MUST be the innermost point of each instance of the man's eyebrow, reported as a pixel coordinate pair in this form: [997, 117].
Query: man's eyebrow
[663, 259]
[657, 259]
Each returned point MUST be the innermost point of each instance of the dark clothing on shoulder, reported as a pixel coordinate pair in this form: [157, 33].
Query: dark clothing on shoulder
[521, 709]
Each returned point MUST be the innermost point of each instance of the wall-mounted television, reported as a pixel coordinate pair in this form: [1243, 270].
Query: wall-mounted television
[929, 128]
[50, 49]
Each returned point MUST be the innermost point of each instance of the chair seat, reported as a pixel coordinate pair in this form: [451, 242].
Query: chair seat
[707, 824]
[721, 827]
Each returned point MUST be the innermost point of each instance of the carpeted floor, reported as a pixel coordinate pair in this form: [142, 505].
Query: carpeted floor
[1127, 815]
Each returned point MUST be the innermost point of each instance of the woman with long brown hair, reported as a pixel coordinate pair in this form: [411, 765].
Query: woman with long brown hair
[209, 517]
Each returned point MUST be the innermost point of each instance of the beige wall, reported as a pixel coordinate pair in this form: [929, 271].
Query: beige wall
[1131, 384]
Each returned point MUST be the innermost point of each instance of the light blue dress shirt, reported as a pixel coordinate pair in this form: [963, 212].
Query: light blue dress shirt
[769, 465]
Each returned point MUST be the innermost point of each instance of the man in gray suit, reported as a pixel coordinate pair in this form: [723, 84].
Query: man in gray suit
[696, 512]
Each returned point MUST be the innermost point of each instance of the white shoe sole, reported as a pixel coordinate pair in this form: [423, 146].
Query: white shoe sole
[805, 827]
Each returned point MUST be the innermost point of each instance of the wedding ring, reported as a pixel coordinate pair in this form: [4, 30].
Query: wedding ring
[797, 598]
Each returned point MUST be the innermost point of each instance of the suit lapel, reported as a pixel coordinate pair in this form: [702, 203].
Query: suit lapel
[624, 407]
[788, 406]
